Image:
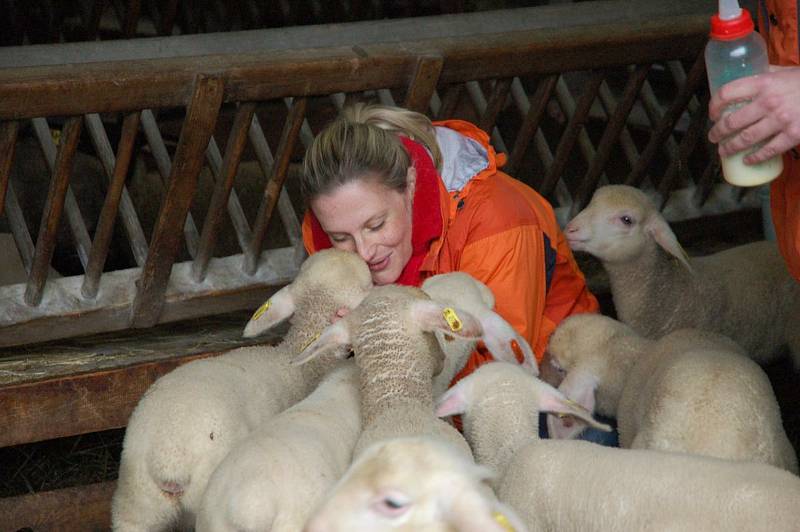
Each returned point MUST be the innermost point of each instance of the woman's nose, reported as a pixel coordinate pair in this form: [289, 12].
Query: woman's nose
[365, 248]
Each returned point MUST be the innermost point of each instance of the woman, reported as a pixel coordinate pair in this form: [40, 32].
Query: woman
[773, 114]
[416, 199]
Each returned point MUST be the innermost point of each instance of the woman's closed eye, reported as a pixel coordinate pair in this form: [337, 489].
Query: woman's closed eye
[377, 226]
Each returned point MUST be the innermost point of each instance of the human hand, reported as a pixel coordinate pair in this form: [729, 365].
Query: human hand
[773, 114]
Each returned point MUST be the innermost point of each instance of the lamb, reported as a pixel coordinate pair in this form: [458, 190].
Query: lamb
[462, 290]
[190, 418]
[577, 485]
[411, 484]
[398, 358]
[691, 391]
[274, 478]
[745, 293]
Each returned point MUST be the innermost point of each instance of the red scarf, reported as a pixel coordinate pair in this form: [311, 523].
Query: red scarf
[426, 218]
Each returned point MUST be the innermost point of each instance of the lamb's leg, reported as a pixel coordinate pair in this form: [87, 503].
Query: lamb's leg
[139, 505]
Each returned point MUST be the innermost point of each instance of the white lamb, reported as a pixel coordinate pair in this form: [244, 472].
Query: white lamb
[274, 478]
[190, 418]
[390, 333]
[745, 293]
[459, 289]
[581, 486]
[691, 391]
[412, 484]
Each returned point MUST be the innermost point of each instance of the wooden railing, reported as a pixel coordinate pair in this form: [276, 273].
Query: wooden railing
[577, 95]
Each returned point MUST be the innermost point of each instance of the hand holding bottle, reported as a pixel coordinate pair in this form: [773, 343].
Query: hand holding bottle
[772, 112]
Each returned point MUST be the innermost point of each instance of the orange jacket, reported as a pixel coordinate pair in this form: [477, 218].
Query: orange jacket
[506, 235]
[778, 24]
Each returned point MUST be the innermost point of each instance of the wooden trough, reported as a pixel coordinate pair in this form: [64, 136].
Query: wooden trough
[577, 95]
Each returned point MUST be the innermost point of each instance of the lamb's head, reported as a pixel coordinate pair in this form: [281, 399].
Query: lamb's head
[331, 283]
[508, 383]
[620, 224]
[460, 289]
[390, 323]
[582, 349]
[413, 484]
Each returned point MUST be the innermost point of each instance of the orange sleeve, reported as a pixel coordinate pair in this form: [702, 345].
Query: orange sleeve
[511, 263]
[785, 200]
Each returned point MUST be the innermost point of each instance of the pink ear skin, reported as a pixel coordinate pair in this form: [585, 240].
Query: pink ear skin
[452, 402]
[274, 311]
[432, 316]
[578, 386]
[331, 338]
[658, 228]
[500, 337]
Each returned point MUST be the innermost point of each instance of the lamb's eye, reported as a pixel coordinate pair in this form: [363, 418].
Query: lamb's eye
[393, 504]
[627, 220]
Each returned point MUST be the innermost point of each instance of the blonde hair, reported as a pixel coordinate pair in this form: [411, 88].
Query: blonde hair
[364, 141]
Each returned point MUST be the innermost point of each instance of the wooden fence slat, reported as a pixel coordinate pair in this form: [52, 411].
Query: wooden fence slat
[479, 102]
[86, 508]
[450, 101]
[164, 165]
[694, 132]
[570, 134]
[8, 145]
[76, 224]
[235, 210]
[655, 113]
[201, 117]
[530, 124]
[127, 211]
[222, 189]
[611, 134]
[285, 208]
[273, 188]
[51, 214]
[625, 139]
[495, 104]
[664, 129]
[91, 13]
[423, 83]
[19, 228]
[168, 14]
[567, 103]
[131, 20]
[108, 213]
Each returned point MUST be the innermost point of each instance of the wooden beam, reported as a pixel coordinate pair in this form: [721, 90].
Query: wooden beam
[78, 404]
[201, 117]
[86, 508]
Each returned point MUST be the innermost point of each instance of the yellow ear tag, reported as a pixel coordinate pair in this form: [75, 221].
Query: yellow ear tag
[261, 310]
[452, 319]
[503, 521]
[313, 339]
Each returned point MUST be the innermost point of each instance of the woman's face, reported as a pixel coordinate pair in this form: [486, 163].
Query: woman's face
[371, 219]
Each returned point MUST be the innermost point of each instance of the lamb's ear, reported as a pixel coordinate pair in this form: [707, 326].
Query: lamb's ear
[470, 511]
[659, 229]
[432, 316]
[274, 311]
[578, 386]
[331, 339]
[454, 400]
[499, 337]
[553, 401]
